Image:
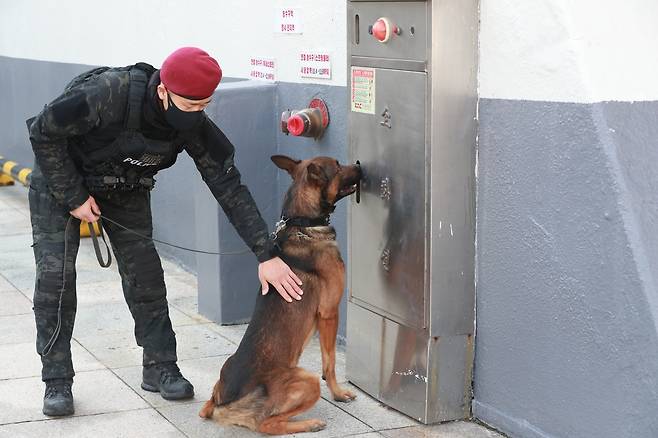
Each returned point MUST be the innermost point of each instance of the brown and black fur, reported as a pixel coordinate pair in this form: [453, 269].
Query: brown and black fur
[260, 386]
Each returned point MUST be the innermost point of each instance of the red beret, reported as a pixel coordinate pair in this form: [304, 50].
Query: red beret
[191, 73]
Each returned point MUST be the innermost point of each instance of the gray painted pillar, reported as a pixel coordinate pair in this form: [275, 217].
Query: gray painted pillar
[567, 260]
[228, 284]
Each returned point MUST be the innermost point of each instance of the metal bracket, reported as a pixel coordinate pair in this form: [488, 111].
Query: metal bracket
[385, 189]
[385, 259]
[387, 118]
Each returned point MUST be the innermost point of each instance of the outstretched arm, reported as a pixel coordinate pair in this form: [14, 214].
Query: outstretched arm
[213, 155]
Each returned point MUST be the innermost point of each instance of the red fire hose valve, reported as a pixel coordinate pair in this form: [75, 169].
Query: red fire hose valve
[309, 122]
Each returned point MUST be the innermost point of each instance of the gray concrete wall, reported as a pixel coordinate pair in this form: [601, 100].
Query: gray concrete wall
[26, 86]
[567, 251]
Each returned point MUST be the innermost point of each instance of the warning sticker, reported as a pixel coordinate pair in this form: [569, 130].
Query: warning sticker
[263, 69]
[315, 64]
[363, 90]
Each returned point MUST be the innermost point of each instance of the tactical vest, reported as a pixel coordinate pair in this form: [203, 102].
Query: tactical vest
[131, 160]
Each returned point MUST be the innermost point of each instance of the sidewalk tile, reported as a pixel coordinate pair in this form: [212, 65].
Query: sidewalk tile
[14, 222]
[455, 429]
[118, 350]
[24, 360]
[311, 360]
[17, 329]
[180, 285]
[94, 392]
[100, 293]
[110, 291]
[202, 373]
[339, 423]
[110, 318]
[186, 418]
[197, 341]
[369, 410]
[16, 243]
[144, 423]
[14, 303]
[233, 333]
[172, 268]
[16, 197]
[5, 285]
[113, 350]
[21, 278]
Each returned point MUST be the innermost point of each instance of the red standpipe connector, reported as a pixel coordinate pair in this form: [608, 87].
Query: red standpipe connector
[309, 122]
[296, 125]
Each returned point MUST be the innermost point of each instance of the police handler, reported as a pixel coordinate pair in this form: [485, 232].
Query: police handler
[97, 148]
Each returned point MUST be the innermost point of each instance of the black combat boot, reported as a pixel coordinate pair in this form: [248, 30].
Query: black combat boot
[58, 399]
[166, 379]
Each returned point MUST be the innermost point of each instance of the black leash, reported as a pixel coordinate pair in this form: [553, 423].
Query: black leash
[97, 248]
[143, 236]
[105, 264]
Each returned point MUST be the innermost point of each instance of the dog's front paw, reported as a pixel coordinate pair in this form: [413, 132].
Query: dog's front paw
[344, 395]
[316, 425]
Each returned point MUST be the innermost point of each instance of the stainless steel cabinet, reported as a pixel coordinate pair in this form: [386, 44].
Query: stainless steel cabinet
[412, 126]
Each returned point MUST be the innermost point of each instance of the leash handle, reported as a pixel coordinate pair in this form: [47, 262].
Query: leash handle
[97, 249]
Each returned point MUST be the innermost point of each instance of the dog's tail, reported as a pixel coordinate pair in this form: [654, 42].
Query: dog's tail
[249, 411]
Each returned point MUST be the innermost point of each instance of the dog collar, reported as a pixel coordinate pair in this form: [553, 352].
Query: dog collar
[299, 221]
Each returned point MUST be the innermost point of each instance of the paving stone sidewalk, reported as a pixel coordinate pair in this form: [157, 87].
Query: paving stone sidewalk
[108, 399]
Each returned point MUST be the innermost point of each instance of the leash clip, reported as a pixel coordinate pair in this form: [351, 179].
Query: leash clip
[278, 227]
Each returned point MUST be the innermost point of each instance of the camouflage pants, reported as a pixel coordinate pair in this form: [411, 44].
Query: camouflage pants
[139, 265]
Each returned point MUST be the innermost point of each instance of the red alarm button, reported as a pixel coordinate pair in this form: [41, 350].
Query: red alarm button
[383, 29]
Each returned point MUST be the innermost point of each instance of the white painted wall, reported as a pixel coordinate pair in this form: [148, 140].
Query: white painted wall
[123, 32]
[569, 50]
[554, 50]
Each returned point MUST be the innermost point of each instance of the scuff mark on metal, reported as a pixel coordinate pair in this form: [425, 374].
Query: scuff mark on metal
[411, 373]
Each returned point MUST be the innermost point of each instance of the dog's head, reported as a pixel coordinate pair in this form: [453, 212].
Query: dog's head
[318, 181]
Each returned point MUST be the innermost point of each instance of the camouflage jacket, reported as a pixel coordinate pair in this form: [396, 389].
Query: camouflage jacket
[86, 119]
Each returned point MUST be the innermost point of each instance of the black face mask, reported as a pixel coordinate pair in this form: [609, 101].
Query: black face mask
[181, 120]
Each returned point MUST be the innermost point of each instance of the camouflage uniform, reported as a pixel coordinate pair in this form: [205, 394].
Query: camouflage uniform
[86, 134]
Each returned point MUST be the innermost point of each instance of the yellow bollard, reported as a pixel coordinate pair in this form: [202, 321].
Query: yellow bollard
[8, 176]
[5, 179]
[23, 175]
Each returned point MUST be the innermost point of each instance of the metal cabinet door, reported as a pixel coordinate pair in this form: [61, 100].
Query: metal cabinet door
[387, 228]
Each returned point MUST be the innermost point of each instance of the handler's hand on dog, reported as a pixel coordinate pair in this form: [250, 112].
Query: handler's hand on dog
[276, 272]
[88, 211]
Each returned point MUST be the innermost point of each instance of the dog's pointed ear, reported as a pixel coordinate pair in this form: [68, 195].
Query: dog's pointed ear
[316, 174]
[286, 163]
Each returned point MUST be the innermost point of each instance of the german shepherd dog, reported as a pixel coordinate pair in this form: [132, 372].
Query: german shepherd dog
[260, 386]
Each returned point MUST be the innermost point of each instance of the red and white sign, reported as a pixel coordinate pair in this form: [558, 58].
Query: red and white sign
[263, 69]
[288, 20]
[363, 90]
[315, 64]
